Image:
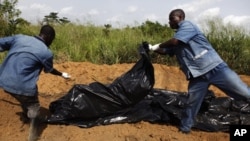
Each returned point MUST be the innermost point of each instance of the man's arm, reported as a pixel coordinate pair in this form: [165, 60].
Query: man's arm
[63, 74]
[170, 43]
[6, 43]
[56, 72]
[161, 48]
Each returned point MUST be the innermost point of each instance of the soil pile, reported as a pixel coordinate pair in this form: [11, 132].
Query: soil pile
[52, 87]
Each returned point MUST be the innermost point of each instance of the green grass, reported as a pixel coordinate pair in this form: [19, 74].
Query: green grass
[107, 45]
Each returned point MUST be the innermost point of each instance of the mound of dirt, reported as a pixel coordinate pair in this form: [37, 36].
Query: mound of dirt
[52, 87]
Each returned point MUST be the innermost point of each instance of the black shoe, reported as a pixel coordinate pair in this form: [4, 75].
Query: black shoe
[184, 132]
[24, 118]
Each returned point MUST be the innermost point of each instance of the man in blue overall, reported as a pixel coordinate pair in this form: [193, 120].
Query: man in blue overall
[19, 72]
[201, 64]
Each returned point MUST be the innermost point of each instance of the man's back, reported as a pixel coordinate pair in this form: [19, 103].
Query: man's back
[26, 58]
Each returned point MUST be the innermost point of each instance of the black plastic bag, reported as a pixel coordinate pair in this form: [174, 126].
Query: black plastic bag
[131, 98]
[220, 105]
[97, 100]
[164, 106]
[152, 108]
[241, 106]
[215, 122]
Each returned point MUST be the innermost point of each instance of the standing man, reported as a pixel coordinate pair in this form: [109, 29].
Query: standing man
[19, 72]
[201, 64]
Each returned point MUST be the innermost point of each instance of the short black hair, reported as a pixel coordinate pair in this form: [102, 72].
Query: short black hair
[48, 31]
[180, 12]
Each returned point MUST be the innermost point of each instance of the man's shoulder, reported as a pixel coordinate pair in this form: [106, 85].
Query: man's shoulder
[22, 35]
[187, 23]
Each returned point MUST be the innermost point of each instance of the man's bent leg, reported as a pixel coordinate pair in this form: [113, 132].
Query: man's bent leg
[197, 90]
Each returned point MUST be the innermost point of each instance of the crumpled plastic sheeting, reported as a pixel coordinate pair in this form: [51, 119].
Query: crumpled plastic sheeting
[131, 98]
[97, 100]
[163, 106]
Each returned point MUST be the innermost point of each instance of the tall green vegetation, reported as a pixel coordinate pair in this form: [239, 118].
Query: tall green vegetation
[232, 43]
[108, 45]
[105, 44]
[9, 18]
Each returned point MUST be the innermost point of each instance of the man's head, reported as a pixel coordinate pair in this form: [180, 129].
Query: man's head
[175, 17]
[48, 34]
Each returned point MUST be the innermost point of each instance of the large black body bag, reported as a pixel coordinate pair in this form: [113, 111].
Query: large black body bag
[98, 100]
[131, 98]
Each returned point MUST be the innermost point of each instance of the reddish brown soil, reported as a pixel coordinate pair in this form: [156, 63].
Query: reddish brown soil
[52, 87]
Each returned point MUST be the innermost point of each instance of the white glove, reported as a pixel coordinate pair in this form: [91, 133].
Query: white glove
[154, 47]
[65, 75]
